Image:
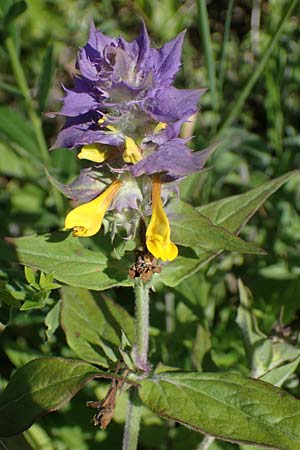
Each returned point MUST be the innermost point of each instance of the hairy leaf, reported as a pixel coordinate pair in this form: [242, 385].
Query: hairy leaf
[228, 406]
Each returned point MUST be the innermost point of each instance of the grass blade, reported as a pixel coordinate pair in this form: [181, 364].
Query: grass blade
[45, 79]
[224, 45]
[208, 52]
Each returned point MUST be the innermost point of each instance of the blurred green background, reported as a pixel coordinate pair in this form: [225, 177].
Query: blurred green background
[248, 56]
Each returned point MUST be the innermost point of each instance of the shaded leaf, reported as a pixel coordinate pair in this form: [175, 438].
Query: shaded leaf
[45, 79]
[281, 374]
[17, 129]
[270, 360]
[227, 406]
[14, 11]
[93, 327]
[41, 386]
[52, 319]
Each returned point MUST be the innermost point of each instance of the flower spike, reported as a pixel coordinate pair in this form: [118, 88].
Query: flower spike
[86, 219]
[158, 232]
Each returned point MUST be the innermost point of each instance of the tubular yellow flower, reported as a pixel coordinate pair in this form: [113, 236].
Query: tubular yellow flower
[158, 232]
[93, 152]
[86, 219]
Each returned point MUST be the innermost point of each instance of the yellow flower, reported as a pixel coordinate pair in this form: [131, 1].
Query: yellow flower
[159, 127]
[93, 152]
[132, 153]
[86, 219]
[158, 232]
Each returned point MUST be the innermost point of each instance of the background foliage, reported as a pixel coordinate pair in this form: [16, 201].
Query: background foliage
[210, 322]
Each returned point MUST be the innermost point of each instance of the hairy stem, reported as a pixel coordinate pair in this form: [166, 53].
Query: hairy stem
[132, 426]
[206, 443]
[133, 419]
[141, 325]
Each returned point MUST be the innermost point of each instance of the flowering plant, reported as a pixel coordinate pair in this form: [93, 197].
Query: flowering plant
[124, 118]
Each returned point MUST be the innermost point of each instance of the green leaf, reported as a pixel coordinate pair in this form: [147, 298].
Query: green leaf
[71, 263]
[52, 320]
[17, 129]
[280, 374]
[93, 328]
[270, 360]
[231, 213]
[14, 11]
[234, 212]
[227, 406]
[29, 275]
[15, 162]
[192, 229]
[45, 79]
[41, 386]
[258, 347]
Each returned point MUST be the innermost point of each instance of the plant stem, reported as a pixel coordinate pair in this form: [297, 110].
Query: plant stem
[206, 443]
[133, 418]
[141, 325]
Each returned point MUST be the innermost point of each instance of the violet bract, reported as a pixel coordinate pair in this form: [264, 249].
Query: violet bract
[124, 116]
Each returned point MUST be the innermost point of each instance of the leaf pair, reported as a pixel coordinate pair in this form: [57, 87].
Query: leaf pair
[226, 405]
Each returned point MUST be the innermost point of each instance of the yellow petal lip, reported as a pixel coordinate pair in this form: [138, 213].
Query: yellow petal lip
[108, 126]
[159, 127]
[158, 240]
[93, 152]
[86, 219]
[132, 153]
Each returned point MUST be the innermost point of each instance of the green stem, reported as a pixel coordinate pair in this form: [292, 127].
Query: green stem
[133, 418]
[206, 443]
[141, 325]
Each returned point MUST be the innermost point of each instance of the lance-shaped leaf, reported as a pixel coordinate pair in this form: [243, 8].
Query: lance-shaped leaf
[192, 229]
[226, 405]
[72, 263]
[92, 326]
[42, 386]
[231, 213]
